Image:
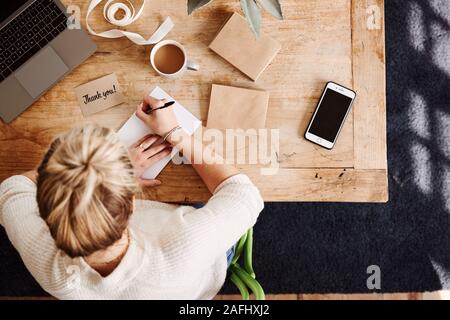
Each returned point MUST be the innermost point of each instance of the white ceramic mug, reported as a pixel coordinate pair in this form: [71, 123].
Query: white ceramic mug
[188, 65]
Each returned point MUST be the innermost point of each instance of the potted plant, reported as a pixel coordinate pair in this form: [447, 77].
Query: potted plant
[251, 8]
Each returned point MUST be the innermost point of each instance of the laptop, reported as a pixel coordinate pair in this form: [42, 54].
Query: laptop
[36, 50]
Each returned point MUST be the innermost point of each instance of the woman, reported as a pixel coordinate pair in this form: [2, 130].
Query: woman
[82, 235]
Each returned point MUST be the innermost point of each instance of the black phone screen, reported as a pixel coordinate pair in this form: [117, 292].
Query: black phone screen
[330, 115]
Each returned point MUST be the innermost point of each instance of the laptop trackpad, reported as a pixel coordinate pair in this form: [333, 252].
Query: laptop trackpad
[41, 72]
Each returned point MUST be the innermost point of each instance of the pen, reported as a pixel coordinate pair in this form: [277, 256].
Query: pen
[168, 104]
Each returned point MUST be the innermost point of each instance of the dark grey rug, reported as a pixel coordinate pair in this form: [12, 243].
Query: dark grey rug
[322, 248]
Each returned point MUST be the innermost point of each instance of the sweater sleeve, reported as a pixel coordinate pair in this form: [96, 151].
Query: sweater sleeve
[26, 230]
[202, 235]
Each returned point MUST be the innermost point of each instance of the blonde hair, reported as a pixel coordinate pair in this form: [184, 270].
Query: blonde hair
[85, 190]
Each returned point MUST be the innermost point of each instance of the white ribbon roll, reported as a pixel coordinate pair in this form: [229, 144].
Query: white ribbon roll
[131, 15]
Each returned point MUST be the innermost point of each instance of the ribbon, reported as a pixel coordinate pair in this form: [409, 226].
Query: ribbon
[131, 15]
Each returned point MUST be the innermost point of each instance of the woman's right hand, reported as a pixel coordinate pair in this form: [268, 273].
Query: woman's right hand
[159, 121]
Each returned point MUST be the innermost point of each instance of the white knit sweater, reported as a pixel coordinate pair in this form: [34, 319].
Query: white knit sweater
[175, 252]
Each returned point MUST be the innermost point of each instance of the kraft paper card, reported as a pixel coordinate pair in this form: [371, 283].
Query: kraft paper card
[98, 95]
[237, 44]
[134, 130]
[237, 108]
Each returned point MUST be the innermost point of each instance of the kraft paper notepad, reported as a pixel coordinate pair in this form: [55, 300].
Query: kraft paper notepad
[134, 130]
[237, 44]
[237, 108]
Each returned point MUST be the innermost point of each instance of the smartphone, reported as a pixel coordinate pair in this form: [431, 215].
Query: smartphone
[329, 117]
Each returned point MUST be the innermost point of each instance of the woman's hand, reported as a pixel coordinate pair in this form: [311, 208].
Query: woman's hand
[145, 154]
[160, 121]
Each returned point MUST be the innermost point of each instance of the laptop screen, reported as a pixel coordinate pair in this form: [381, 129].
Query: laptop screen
[9, 7]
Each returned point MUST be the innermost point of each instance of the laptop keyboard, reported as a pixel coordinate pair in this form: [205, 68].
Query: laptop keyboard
[28, 33]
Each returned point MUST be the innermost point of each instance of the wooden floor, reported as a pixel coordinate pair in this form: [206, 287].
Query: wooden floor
[439, 295]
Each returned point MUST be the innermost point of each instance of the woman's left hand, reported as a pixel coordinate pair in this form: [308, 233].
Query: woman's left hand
[145, 154]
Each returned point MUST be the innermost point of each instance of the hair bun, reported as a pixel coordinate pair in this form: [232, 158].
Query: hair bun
[86, 187]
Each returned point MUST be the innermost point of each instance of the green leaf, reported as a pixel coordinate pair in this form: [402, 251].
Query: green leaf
[273, 7]
[240, 285]
[253, 15]
[195, 4]
[239, 248]
[251, 283]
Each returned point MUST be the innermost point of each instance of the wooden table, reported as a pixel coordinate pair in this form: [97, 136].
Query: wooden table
[338, 40]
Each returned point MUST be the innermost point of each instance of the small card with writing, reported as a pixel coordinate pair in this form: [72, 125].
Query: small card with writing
[98, 95]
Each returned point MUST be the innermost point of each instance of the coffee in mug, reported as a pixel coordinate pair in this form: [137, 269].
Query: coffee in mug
[169, 59]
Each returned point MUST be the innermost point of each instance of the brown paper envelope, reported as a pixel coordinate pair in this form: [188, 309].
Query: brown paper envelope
[237, 44]
[237, 108]
[98, 95]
